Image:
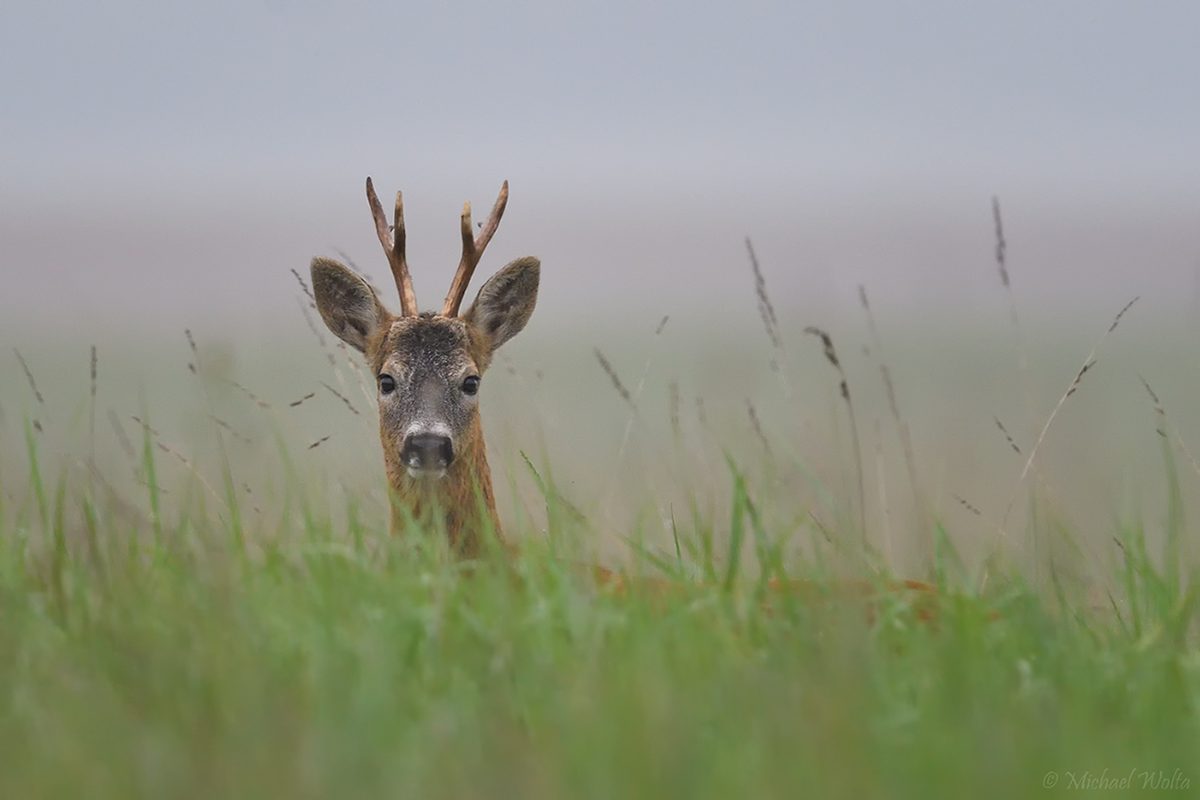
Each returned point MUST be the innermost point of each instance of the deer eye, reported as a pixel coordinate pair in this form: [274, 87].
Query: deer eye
[470, 384]
[387, 384]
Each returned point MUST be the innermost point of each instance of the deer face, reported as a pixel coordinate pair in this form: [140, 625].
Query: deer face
[428, 372]
[428, 369]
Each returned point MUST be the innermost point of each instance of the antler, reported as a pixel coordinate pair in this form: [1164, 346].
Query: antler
[472, 250]
[392, 240]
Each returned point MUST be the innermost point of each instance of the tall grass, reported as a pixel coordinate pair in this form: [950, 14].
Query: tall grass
[331, 660]
[269, 639]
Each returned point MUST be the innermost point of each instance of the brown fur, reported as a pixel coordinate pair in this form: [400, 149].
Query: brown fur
[427, 356]
[462, 503]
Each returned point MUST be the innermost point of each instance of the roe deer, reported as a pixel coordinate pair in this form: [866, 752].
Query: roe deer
[428, 368]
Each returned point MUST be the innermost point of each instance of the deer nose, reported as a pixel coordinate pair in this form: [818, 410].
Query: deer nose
[427, 451]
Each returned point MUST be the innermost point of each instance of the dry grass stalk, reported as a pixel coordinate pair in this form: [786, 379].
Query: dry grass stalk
[632, 399]
[122, 439]
[967, 506]
[910, 461]
[756, 426]
[1042, 482]
[1117, 320]
[1158, 407]
[29, 377]
[228, 427]
[1001, 248]
[1088, 363]
[341, 397]
[93, 372]
[304, 288]
[308, 320]
[117, 504]
[832, 358]
[766, 311]
[325, 348]
[222, 451]
[765, 308]
[308, 396]
[1187, 453]
[885, 509]
[1079, 377]
[824, 531]
[999, 531]
[612, 376]
[1162, 426]
[250, 494]
[92, 411]
[827, 342]
[258, 401]
[673, 404]
[368, 393]
[1014, 319]
[1007, 435]
[886, 373]
[156, 437]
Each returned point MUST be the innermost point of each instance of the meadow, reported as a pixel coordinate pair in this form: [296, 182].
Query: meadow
[198, 595]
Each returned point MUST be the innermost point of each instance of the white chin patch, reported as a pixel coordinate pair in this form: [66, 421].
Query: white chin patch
[426, 474]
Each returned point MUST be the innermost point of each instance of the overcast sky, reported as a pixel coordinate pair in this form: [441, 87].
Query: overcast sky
[172, 161]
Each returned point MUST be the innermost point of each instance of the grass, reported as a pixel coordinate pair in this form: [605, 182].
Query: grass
[164, 633]
[324, 659]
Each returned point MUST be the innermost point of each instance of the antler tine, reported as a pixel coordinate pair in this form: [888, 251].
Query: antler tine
[473, 247]
[393, 240]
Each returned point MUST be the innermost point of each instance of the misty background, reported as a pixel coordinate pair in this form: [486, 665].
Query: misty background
[170, 162]
[166, 165]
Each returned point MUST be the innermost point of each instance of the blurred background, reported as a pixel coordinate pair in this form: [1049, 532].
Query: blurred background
[165, 165]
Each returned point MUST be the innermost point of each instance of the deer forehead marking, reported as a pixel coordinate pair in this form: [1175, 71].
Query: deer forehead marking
[427, 345]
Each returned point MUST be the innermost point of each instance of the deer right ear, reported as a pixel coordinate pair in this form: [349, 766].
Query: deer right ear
[347, 304]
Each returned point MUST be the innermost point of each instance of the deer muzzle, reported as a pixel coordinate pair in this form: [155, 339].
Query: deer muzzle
[427, 454]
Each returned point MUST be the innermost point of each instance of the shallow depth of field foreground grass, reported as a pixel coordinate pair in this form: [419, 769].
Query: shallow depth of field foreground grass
[324, 660]
[202, 599]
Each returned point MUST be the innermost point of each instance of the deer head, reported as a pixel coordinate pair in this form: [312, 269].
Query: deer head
[428, 368]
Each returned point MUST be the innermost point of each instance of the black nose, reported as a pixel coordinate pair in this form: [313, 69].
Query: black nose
[427, 451]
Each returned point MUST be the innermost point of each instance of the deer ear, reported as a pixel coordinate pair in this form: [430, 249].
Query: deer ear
[505, 302]
[347, 304]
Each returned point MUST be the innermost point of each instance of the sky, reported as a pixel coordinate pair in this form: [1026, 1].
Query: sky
[170, 163]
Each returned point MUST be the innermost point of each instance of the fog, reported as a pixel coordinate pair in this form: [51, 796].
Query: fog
[168, 163]
[166, 166]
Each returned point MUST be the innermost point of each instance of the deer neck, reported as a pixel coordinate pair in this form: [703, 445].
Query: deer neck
[461, 502]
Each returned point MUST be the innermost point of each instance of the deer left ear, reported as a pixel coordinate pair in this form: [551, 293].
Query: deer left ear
[347, 304]
[505, 302]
